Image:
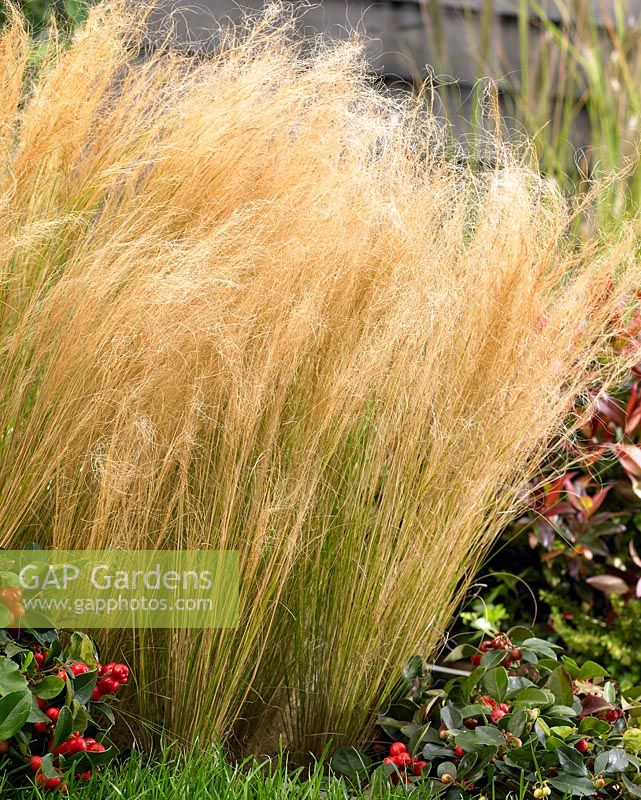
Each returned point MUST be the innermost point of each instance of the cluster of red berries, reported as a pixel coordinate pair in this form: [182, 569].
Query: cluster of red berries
[404, 763]
[74, 744]
[110, 678]
[12, 599]
[498, 710]
[499, 642]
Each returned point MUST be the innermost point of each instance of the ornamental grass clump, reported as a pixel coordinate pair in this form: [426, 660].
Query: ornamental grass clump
[253, 302]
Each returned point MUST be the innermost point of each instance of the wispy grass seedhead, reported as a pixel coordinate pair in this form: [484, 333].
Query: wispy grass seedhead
[252, 302]
[571, 87]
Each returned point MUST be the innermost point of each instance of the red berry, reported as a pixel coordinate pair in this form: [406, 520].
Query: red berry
[497, 715]
[516, 654]
[4, 746]
[419, 766]
[39, 658]
[78, 745]
[41, 727]
[612, 715]
[53, 714]
[459, 752]
[485, 646]
[35, 762]
[48, 783]
[121, 673]
[61, 750]
[84, 776]
[504, 707]
[476, 659]
[471, 723]
[486, 700]
[107, 685]
[397, 748]
[507, 661]
[79, 668]
[41, 704]
[96, 694]
[62, 674]
[67, 747]
[582, 745]
[96, 748]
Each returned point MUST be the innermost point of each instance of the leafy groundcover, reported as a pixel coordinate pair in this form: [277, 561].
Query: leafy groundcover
[525, 716]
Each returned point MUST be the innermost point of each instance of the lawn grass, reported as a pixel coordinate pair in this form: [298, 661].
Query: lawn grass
[176, 776]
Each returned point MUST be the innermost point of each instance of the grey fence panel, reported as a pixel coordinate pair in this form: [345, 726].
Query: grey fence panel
[406, 40]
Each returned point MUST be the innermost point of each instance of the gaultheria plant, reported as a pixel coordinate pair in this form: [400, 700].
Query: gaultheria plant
[253, 302]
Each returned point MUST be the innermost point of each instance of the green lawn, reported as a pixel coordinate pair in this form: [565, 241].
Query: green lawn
[199, 777]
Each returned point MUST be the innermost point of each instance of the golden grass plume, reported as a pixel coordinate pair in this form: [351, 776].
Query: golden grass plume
[253, 302]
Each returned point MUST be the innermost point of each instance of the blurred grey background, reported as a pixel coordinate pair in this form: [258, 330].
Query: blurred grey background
[409, 38]
[456, 43]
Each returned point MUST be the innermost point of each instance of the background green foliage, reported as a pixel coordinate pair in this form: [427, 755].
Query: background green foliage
[39, 13]
[614, 641]
[577, 547]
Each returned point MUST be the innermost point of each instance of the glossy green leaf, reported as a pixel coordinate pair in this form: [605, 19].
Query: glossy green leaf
[350, 762]
[36, 715]
[64, 726]
[590, 669]
[451, 717]
[446, 768]
[571, 761]
[496, 683]
[47, 766]
[11, 679]
[594, 726]
[560, 684]
[611, 761]
[573, 784]
[81, 648]
[492, 658]
[14, 712]
[49, 687]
